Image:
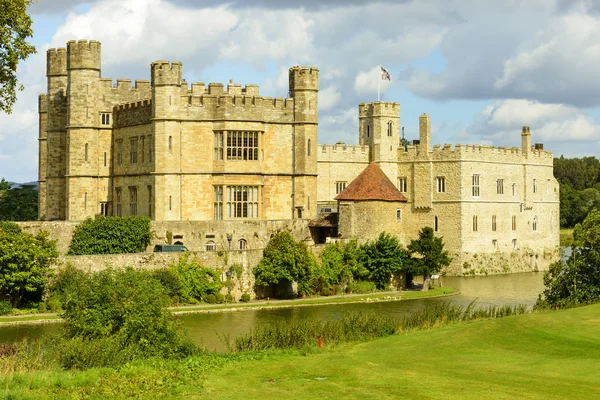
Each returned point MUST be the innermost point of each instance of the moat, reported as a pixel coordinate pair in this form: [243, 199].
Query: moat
[205, 329]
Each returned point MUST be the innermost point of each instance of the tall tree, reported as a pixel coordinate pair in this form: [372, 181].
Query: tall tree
[19, 204]
[430, 255]
[383, 258]
[15, 28]
[3, 186]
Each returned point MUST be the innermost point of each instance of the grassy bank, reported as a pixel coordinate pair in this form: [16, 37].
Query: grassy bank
[566, 237]
[549, 355]
[353, 298]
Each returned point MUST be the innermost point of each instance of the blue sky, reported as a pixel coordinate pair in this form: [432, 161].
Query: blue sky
[480, 69]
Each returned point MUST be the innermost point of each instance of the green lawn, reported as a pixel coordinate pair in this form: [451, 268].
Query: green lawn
[550, 355]
[566, 237]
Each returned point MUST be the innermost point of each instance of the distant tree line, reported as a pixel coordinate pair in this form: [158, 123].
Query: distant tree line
[18, 203]
[579, 180]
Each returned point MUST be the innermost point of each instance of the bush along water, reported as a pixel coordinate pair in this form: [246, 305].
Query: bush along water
[297, 332]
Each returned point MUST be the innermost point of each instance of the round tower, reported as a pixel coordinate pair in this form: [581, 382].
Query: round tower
[304, 89]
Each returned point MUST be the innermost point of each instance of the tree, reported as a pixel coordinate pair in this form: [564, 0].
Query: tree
[15, 28]
[427, 255]
[577, 280]
[25, 262]
[19, 204]
[383, 258]
[284, 259]
[3, 185]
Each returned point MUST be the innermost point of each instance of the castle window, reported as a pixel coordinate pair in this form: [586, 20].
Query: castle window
[495, 244]
[390, 128]
[119, 152]
[242, 244]
[340, 186]
[149, 148]
[218, 203]
[308, 147]
[104, 207]
[105, 159]
[211, 246]
[514, 242]
[514, 189]
[104, 119]
[402, 184]
[218, 146]
[474, 223]
[150, 201]
[440, 182]
[435, 223]
[133, 150]
[132, 200]
[308, 202]
[500, 186]
[119, 201]
[535, 223]
[398, 215]
[514, 222]
[493, 223]
[299, 209]
[142, 146]
[368, 131]
[475, 185]
[170, 144]
[85, 155]
[85, 201]
[170, 203]
[535, 186]
[242, 145]
[242, 201]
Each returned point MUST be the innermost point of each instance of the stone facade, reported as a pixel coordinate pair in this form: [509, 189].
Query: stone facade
[230, 160]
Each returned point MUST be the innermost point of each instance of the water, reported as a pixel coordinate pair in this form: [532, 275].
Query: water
[206, 328]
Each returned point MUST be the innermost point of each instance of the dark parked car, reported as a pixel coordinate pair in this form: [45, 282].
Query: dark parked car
[169, 248]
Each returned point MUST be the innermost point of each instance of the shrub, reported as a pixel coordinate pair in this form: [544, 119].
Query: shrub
[228, 298]
[196, 281]
[10, 227]
[245, 298]
[42, 307]
[54, 304]
[169, 281]
[325, 291]
[362, 287]
[64, 282]
[111, 235]
[220, 298]
[211, 299]
[5, 308]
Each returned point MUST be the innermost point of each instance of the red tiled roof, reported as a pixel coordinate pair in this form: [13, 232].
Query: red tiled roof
[371, 184]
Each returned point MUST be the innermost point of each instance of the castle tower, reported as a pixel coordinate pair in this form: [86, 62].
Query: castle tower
[83, 91]
[304, 89]
[166, 136]
[379, 128]
[56, 136]
[43, 155]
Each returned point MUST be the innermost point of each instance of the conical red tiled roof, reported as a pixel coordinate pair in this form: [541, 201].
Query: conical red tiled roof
[371, 184]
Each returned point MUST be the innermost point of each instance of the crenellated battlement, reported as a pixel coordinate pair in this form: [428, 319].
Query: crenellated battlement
[83, 54]
[378, 108]
[165, 73]
[56, 62]
[133, 113]
[341, 152]
[303, 78]
[233, 89]
[209, 101]
[122, 84]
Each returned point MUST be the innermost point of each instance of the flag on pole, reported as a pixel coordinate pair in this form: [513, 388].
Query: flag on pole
[385, 74]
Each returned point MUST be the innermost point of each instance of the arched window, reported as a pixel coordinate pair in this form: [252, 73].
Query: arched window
[86, 152]
[390, 128]
[435, 223]
[535, 222]
[399, 215]
[242, 244]
[211, 246]
[308, 147]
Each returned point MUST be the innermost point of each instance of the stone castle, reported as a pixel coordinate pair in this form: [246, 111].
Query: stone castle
[179, 152]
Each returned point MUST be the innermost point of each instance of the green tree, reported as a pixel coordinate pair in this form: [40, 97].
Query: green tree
[25, 262]
[383, 258]
[195, 281]
[19, 204]
[577, 280]
[3, 186]
[427, 255]
[15, 29]
[283, 260]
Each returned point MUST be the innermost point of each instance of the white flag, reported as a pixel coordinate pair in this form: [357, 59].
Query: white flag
[385, 74]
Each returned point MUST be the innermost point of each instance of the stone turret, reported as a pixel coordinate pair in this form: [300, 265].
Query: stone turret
[526, 141]
[424, 133]
[166, 88]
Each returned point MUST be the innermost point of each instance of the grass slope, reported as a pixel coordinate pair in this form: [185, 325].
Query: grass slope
[550, 355]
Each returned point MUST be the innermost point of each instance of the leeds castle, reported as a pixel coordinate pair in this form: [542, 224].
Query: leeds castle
[178, 152]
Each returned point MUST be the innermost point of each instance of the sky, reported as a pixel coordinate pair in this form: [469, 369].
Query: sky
[480, 69]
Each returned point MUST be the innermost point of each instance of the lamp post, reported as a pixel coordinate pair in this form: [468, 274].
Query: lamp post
[229, 237]
[228, 273]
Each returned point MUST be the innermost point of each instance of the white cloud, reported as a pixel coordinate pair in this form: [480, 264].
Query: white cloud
[329, 98]
[369, 82]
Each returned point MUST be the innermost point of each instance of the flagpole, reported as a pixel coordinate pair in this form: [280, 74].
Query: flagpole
[379, 84]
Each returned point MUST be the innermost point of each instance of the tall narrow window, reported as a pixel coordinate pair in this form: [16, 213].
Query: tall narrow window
[119, 151]
[514, 242]
[218, 146]
[308, 147]
[474, 223]
[495, 244]
[218, 203]
[535, 223]
[440, 184]
[170, 144]
[500, 186]
[493, 223]
[150, 148]
[149, 201]
[339, 187]
[514, 222]
[132, 200]
[368, 131]
[119, 201]
[398, 215]
[85, 201]
[133, 150]
[170, 203]
[475, 185]
[105, 159]
[142, 146]
[435, 223]
[242, 244]
[390, 128]
[535, 186]
[402, 184]
[86, 152]
[514, 189]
